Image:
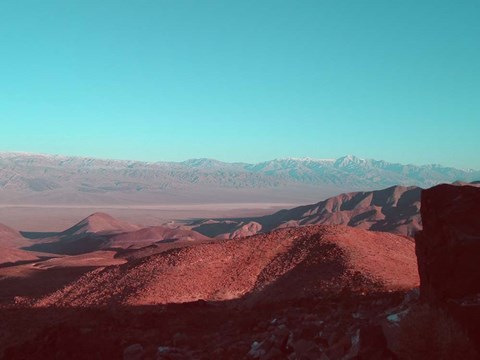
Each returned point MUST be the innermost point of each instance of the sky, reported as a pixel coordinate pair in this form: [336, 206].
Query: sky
[242, 80]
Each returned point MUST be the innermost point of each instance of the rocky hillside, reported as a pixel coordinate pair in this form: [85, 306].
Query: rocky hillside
[395, 209]
[306, 261]
[299, 293]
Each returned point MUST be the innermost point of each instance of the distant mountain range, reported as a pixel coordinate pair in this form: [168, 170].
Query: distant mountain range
[52, 179]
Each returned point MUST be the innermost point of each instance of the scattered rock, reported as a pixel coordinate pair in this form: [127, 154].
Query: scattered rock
[340, 348]
[133, 352]
[273, 354]
[306, 349]
[373, 344]
[172, 353]
[396, 318]
[256, 350]
[411, 296]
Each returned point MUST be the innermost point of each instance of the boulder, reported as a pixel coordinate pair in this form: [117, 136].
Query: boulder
[373, 344]
[172, 353]
[448, 253]
[448, 247]
[256, 350]
[307, 350]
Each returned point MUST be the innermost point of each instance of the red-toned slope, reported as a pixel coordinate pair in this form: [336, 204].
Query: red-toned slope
[10, 242]
[340, 258]
[11, 255]
[10, 237]
[300, 261]
[101, 224]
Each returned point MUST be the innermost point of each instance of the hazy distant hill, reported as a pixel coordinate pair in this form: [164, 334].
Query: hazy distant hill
[44, 179]
[101, 231]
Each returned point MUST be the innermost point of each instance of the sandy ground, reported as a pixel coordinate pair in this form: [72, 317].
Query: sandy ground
[93, 259]
[60, 217]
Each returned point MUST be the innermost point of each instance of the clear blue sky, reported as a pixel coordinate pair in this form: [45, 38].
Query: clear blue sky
[242, 80]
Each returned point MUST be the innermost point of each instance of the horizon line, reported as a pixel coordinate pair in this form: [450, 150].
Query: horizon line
[303, 159]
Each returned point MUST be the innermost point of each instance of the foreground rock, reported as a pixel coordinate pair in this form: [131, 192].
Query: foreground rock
[342, 326]
[448, 248]
[448, 251]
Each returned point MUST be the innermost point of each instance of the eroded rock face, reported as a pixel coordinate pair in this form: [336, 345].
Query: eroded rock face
[448, 252]
[448, 248]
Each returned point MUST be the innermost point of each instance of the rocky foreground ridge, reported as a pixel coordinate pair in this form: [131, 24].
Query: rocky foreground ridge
[292, 293]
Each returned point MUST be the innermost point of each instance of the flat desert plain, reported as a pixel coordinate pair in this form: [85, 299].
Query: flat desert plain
[59, 217]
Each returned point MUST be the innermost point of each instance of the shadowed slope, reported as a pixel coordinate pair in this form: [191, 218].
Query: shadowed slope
[154, 234]
[100, 223]
[304, 261]
[11, 256]
[90, 234]
[101, 231]
[395, 209]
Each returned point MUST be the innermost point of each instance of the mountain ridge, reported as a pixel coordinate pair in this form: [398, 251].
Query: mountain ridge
[347, 157]
[395, 209]
[55, 179]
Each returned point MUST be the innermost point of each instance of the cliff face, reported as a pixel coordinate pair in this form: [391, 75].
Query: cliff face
[448, 252]
[448, 248]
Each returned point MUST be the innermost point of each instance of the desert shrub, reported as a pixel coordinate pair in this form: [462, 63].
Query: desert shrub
[430, 333]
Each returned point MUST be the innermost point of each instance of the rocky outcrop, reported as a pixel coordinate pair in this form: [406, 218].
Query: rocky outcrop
[448, 248]
[448, 251]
